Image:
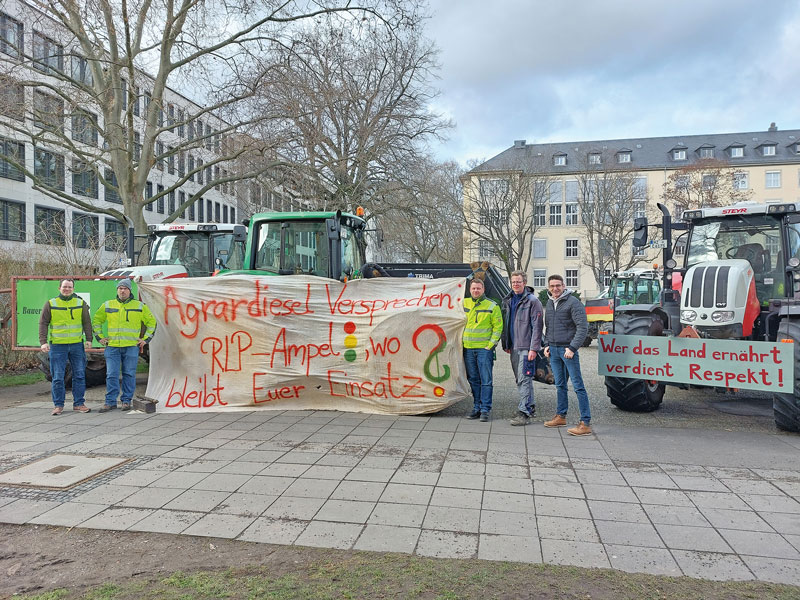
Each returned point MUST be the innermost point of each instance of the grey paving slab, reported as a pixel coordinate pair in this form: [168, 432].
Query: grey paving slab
[562, 507]
[465, 520]
[222, 482]
[166, 521]
[747, 520]
[717, 500]
[506, 523]
[473, 480]
[177, 480]
[774, 569]
[582, 554]
[415, 477]
[326, 472]
[758, 543]
[539, 474]
[69, 514]
[137, 478]
[267, 530]
[197, 500]
[509, 548]
[456, 498]
[447, 544]
[649, 480]
[600, 477]
[268, 485]
[665, 497]
[612, 493]
[558, 488]
[107, 494]
[311, 488]
[367, 474]
[617, 511]
[508, 502]
[221, 526]
[284, 470]
[504, 470]
[698, 483]
[117, 518]
[751, 486]
[346, 511]
[628, 534]
[403, 493]
[151, 497]
[681, 537]
[786, 523]
[635, 559]
[247, 505]
[509, 484]
[401, 515]
[772, 503]
[388, 538]
[323, 534]
[561, 528]
[710, 565]
[290, 507]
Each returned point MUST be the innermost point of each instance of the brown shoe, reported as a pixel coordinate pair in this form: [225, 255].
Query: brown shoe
[82, 408]
[557, 421]
[580, 429]
[57, 411]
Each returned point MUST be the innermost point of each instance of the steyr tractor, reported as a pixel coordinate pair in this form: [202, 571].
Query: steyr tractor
[740, 280]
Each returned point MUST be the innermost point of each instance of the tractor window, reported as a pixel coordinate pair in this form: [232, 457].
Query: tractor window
[293, 247]
[351, 257]
[794, 242]
[754, 238]
[187, 249]
[231, 253]
[268, 256]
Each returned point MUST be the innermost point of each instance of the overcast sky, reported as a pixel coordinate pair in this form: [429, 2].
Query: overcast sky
[547, 71]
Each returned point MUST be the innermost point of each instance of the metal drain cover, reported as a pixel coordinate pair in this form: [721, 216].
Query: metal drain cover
[60, 471]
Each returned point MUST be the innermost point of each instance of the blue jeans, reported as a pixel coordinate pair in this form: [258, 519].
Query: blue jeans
[524, 382]
[479, 363]
[59, 355]
[128, 358]
[561, 368]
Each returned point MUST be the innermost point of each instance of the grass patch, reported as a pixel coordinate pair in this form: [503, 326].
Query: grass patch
[21, 379]
[390, 576]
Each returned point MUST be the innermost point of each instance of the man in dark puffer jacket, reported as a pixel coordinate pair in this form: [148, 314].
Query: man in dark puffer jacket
[565, 329]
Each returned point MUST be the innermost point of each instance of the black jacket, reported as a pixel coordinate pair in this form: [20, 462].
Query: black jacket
[565, 324]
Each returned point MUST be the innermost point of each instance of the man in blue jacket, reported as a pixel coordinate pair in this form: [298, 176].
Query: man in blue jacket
[522, 338]
[565, 328]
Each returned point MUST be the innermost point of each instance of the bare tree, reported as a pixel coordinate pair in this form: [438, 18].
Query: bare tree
[503, 210]
[422, 221]
[609, 195]
[706, 183]
[92, 73]
[355, 108]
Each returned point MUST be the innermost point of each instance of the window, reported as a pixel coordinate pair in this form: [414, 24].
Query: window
[48, 226]
[224, 213]
[768, 150]
[555, 192]
[539, 248]
[555, 214]
[191, 167]
[84, 127]
[706, 153]
[48, 112]
[639, 208]
[605, 248]
[81, 71]
[11, 36]
[216, 177]
[146, 100]
[200, 170]
[639, 251]
[709, 182]
[124, 94]
[216, 141]
[606, 277]
[484, 249]
[12, 157]
[209, 175]
[148, 193]
[181, 164]
[571, 214]
[114, 236]
[181, 200]
[181, 117]
[624, 157]
[740, 180]
[560, 160]
[48, 56]
[48, 167]
[85, 231]
[539, 215]
[12, 218]
[171, 202]
[773, 179]
[571, 248]
[159, 156]
[209, 210]
[571, 278]
[737, 151]
[539, 278]
[233, 215]
[135, 101]
[12, 98]
[682, 182]
[594, 158]
[217, 211]
[209, 137]
[170, 115]
[170, 161]
[191, 211]
[137, 146]
[111, 187]
[200, 216]
[679, 154]
[160, 201]
[84, 179]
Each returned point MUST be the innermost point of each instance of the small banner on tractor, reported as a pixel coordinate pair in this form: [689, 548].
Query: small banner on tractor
[383, 345]
[763, 366]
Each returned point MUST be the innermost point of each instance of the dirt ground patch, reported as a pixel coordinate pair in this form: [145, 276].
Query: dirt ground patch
[35, 560]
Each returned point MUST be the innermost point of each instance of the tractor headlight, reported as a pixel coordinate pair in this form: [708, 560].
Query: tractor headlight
[722, 316]
[688, 316]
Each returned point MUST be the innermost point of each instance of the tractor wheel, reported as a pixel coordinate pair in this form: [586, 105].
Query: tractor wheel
[636, 395]
[787, 406]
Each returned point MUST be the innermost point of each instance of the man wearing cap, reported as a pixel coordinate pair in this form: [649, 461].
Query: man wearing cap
[62, 326]
[130, 325]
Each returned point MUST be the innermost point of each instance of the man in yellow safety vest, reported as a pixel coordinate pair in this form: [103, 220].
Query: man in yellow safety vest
[62, 326]
[129, 325]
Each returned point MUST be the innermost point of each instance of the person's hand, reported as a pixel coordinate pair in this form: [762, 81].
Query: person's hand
[45, 347]
[568, 353]
[87, 345]
[531, 354]
[506, 351]
[104, 341]
[141, 344]
[547, 351]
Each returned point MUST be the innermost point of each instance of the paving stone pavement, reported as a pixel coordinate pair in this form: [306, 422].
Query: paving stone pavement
[710, 504]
